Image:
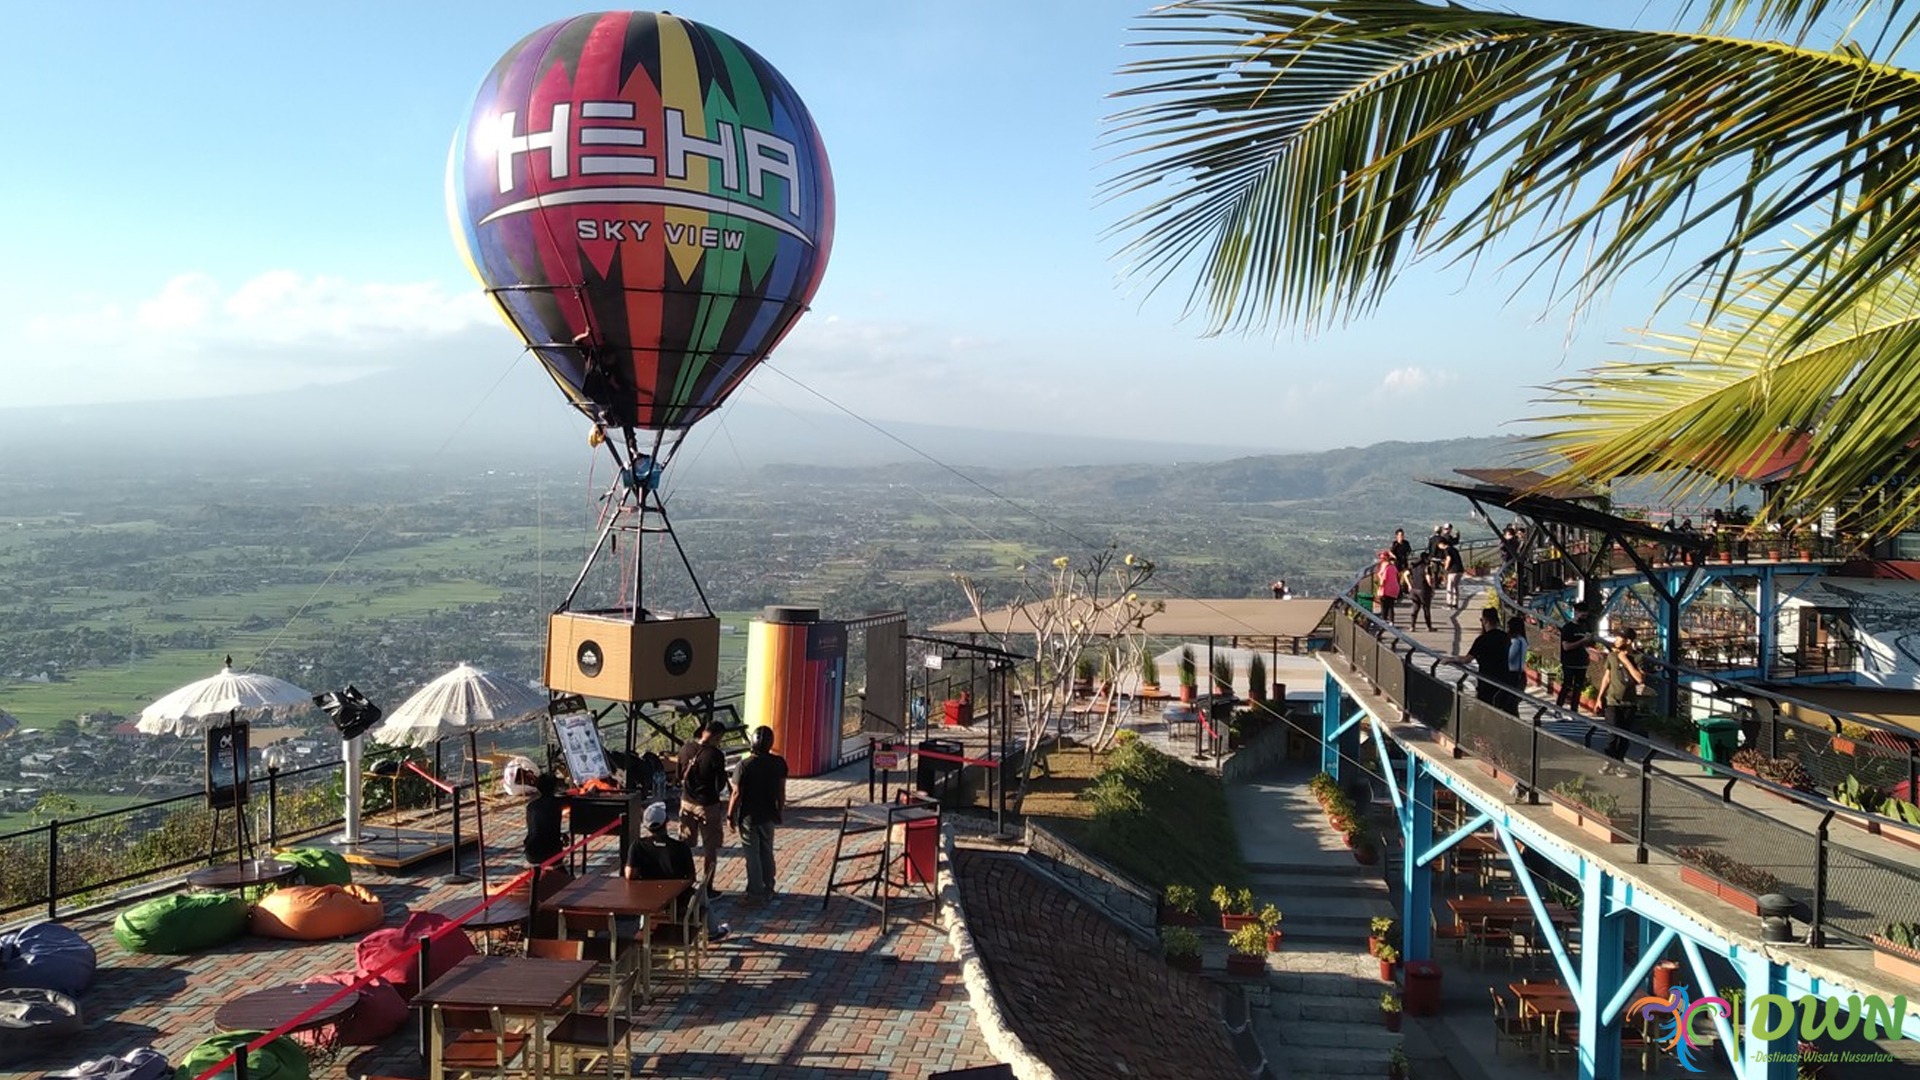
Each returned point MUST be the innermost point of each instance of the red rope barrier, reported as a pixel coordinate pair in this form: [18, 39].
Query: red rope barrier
[991, 763]
[430, 778]
[413, 950]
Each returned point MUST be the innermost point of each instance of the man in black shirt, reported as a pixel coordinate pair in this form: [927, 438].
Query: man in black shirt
[759, 794]
[655, 856]
[543, 821]
[1488, 653]
[1575, 638]
[703, 776]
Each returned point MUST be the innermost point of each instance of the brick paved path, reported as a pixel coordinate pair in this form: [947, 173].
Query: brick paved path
[796, 992]
[1083, 995]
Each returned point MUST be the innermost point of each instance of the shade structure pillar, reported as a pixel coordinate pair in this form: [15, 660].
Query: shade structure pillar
[1769, 1038]
[1416, 830]
[1332, 708]
[796, 678]
[1603, 941]
[350, 761]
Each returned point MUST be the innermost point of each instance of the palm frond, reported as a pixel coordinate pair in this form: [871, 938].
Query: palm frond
[1303, 152]
[1702, 409]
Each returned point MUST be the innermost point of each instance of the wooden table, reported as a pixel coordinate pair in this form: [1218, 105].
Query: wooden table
[242, 874]
[517, 986]
[266, 1010]
[611, 895]
[1470, 908]
[1550, 1001]
[503, 913]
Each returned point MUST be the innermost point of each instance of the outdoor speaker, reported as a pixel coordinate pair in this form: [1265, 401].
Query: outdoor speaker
[609, 656]
[352, 713]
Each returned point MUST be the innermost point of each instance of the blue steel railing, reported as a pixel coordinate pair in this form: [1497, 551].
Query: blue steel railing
[1851, 884]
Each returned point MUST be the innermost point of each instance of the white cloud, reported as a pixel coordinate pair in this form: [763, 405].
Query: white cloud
[278, 331]
[1412, 380]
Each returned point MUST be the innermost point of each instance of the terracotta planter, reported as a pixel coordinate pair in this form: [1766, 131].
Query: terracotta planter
[1170, 917]
[1894, 960]
[1184, 963]
[1588, 822]
[1386, 969]
[1366, 856]
[1713, 886]
[1392, 1019]
[1239, 963]
[1273, 941]
[1373, 944]
[1396, 1072]
[1844, 745]
[1230, 923]
[1186, 695]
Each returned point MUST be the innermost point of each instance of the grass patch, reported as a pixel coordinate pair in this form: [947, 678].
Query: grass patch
[1158, 820]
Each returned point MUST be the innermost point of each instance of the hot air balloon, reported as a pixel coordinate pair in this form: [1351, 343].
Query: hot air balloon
[648, 203]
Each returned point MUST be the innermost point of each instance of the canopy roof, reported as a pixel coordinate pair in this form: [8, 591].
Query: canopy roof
[1531, 482]
[1181, 618]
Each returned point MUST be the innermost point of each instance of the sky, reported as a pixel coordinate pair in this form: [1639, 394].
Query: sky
[216, 199]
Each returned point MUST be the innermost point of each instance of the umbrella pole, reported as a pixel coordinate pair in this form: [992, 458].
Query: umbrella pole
[479, 805]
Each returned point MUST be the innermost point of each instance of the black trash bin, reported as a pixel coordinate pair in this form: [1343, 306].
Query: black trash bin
[938, 777]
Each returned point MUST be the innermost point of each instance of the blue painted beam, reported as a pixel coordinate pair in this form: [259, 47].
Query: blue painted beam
[1545, 925]
[1766, 1059]
[1386, 762]
[1454, 837]
[1330, 709]
[1630, 985]
[1703, 979]
[1603, 942]
[1416, 880]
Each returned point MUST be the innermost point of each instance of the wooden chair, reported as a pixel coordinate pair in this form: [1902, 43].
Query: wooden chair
[484, 1045]
[1452, 934]
[1561, 1039]
[1641, 1038]
[1523, 1032]
[617, 959]
[680, 943]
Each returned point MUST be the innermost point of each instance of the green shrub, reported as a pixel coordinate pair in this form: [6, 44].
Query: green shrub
[1178, 941]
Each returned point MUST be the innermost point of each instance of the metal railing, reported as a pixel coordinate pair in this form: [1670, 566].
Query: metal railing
[88, 858]
[1851, 884]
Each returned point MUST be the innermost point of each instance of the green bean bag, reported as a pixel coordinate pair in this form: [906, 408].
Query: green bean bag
[318, 866]
[184, 923]
[281, 1059]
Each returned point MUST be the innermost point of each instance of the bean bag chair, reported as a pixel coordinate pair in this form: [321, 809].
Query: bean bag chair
[317, 912]
[47, 956]
[386, 953]
[318, 866]
[379, 1013]
[281, 1059]
[145, 1063]
[185, 923]
[32, 1019]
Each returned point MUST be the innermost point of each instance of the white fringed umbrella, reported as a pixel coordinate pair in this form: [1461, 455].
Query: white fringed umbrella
[184, 712]
[465, 701]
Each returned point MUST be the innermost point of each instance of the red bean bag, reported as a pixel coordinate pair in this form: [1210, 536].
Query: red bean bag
[317, 912]
[379, 1012]
[386, 952]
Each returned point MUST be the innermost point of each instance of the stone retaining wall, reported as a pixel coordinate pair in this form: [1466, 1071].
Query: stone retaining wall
[1120, 898]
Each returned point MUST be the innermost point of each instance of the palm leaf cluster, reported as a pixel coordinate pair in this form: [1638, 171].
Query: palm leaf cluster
[1302, 153]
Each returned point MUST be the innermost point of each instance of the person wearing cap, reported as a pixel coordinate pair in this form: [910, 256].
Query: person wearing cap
[759, 795]
[703, 776]
[543, 840]
[655, 856]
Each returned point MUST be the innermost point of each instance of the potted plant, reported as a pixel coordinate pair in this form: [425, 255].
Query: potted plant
[1896, 950]
[1222, 672]
[1249, 951]
[1236, 908]
[1257, 678]
[1180, 906]
[1270, 922]
[1189, 675]
[1729, 879]
[1389, 958]
[1181, 947]
[1587, 808]
[1083, 676]
[1397, 1062]
[1149, 673]
[1364, 850]
[1381, 930]
[1390, 1010]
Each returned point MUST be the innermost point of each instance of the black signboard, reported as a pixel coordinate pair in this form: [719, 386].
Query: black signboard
[227, 772]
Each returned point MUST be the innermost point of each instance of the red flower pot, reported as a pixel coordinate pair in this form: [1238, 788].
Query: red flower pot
[1393, 1020]
[1230, 923]
[1273, 941]
[1386, 969]
[1239, 963]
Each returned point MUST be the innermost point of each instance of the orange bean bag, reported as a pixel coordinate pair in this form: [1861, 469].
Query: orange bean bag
[317, 912]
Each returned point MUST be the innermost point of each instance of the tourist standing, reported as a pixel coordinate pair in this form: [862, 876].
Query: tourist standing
[1516, 661]
[1620, 681]
[1574, 640]
[1420, 593]
[703, 776]
[1402, 551]
[759, 796]
[543, 840]
[1452, 565]
[1488, 654]
[1386, 586]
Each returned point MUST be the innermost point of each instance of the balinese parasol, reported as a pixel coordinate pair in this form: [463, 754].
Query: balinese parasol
[464, 700]
[184, 711]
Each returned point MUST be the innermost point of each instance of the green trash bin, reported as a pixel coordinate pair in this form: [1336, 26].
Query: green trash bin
[1719, 738]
